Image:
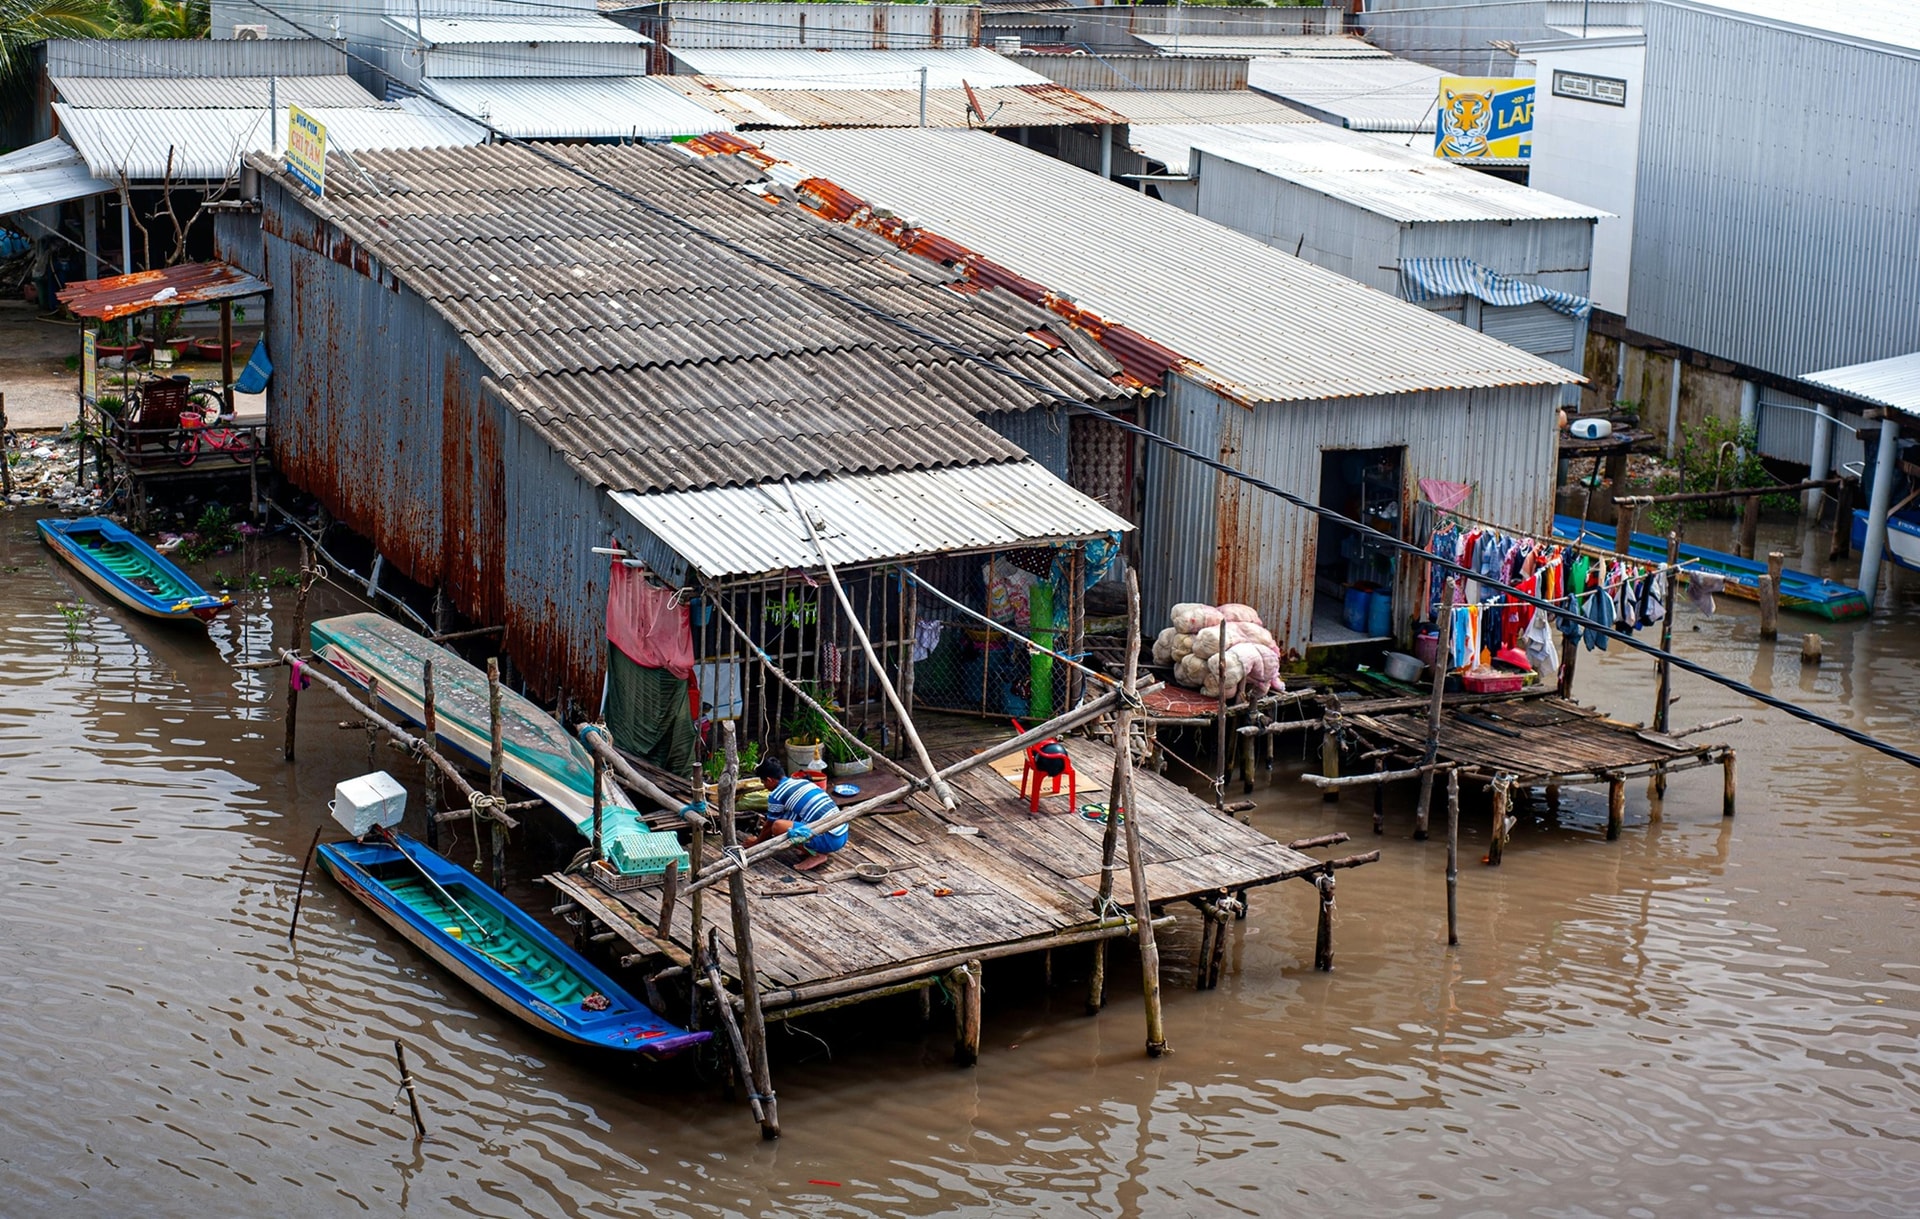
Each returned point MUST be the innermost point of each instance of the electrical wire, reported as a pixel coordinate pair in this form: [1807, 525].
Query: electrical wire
[1146, 434]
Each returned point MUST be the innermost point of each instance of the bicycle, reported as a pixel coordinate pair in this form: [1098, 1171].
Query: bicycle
[202, 431]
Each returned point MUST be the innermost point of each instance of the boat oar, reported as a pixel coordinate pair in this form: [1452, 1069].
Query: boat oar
[480, 926]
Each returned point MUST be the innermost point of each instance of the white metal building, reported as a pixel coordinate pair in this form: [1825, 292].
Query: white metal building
[1299, 375]
[1498, 257]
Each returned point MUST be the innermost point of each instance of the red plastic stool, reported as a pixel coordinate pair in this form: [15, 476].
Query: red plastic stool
[1048, 760]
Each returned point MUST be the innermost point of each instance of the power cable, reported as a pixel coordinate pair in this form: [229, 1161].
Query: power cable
[1063, 398]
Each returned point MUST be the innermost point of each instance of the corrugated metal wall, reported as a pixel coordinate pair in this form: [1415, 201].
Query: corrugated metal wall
[1123, 71]
[1777, 212]
[292, 55]
[1042, 433]
[1212, 537]
[1327, 232]
[1786, 430]
[880, 27]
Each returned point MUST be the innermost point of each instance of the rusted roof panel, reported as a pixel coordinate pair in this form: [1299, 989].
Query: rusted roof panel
[189, 283]
[655, 356]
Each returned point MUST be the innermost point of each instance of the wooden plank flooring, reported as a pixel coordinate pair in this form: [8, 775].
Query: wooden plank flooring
[1537, 740]
[1016, 878]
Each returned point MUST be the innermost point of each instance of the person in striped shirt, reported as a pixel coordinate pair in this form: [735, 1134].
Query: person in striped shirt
[793, 807]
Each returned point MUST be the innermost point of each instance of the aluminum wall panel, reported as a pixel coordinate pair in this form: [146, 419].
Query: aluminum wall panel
[1218, 539]
[1042, 433]
[1161, 73]
[1777, 210]
[182, 57]
[1786, 425]
[722, 24]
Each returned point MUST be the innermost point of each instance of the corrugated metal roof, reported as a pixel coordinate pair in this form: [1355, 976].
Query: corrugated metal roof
[1401, 184]
[822, 70]
[869, 518]
[1886, 24]
[1268, 46]
[1364, 94]
[118, 296]
[210, 92]
[578, 107]
[654, 358]
[1227, 106]
[207, 145]
[47, 172]
[1892, 382]
[1171, 144]
[1261, 324]
[556, 28]
[184, 57]
[1045, 105]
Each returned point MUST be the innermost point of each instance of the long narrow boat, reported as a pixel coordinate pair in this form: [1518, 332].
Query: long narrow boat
[1903, 538]
[127, 569]
[1799, 591]
[495, 947]
[537, 753]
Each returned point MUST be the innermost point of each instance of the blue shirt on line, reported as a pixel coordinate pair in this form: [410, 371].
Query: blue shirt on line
[803, 803]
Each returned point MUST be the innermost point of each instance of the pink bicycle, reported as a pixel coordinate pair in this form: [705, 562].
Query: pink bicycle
[203, 431]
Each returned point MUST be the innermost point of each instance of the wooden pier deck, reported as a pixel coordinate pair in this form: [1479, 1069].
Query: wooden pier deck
[1017, 883]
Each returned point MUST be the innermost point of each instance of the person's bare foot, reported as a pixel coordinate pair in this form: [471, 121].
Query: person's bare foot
[810, 863]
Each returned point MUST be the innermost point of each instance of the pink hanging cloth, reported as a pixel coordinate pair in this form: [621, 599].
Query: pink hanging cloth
[646, 623]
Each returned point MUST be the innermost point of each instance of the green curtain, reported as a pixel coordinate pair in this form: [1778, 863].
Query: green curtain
[647, 714]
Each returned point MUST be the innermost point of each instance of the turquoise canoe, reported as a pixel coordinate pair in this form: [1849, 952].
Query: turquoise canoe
[121, 564]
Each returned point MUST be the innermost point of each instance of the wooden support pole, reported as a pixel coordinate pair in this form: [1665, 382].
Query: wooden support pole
[1663, 685]
[1623, 520]
[1842, 520]
[1209, 926]
[1246, 762]
[1502, 795]
[1725, 493]
[1137, 866]
[429, 773]
[293, 644]
[1749, 527]
[599, 845]
[941, 790]
[373, 729]
[910, 594]
[1453, 856]
[1330, 756]
[1442, 657]
[742, 1062]
[1770, 596]
[406, 1082]
[1220, 728]
[1380, 797]
[1116, 793]
[1570, 647]
[1810, 648]
[1616, 807]
[496, 773]
[1323, 934]
[306, 862]
[756, 1023]
[1727, 785]
[966, 1013]
[1077, 621]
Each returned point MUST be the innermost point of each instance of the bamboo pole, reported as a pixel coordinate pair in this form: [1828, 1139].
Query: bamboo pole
[1616, 807]
[1220, 727]
[1497, 844]
[910, 609]
[1116, 812]
[1330, 757]
[595, 738]
[1770, 596]
[1695, 497]
[496, 773]
[761, 1079]
[742, 1062]
[1064, 722]
[1323, 932]
[1453, 857]
[599, 846]
[299, 629]
[406, 1082]
[1749, 528]
[429, 773]
[1727, 785]
[306, 862]
[1442, 655]
[1137, 867]
[941, 791]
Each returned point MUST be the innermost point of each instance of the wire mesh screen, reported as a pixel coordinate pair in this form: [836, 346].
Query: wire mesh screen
[963, 664]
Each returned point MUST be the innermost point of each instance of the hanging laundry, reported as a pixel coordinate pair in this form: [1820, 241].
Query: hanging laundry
[1538, 638]
[1701, 586]
[1599, 612]
[926, 637]
[647, 622]
[648, 713]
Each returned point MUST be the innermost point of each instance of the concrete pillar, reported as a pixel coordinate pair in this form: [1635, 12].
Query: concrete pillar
[1749, 409]
[1106, 151]
[1673, 411]
[90, 220]
[1876, 547]
[1822, 463]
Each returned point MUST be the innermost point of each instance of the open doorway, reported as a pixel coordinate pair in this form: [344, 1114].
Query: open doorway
[1353, 577]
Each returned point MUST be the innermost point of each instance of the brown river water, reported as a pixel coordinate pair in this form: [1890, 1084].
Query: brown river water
[1708, 1016]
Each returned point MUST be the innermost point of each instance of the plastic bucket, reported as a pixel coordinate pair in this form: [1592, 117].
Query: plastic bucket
[1380, 613]
[1354, 612]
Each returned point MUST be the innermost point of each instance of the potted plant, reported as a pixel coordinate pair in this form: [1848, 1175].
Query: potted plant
[846, 756]
[807, 730]
[114, 339]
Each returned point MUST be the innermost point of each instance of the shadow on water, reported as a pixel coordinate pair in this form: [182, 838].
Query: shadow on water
[1706, 1016]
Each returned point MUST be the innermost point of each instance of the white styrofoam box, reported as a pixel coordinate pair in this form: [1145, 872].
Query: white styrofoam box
[362, 803]
[1590, 429]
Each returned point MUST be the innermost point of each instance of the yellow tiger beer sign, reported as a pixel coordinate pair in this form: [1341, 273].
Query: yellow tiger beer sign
[1484, 118]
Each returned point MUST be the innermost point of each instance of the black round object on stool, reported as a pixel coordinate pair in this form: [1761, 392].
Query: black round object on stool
[1050, 759]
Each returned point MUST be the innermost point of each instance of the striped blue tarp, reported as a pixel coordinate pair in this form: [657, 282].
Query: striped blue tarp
[1425, 279]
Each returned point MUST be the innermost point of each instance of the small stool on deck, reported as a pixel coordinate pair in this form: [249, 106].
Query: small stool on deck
[1048, 760]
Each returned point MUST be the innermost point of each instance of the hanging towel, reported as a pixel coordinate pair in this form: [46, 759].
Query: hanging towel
[646, 622]
[647, 713]
[1600, 616]
[926, 637]
[1540, 650]
[1701, 586]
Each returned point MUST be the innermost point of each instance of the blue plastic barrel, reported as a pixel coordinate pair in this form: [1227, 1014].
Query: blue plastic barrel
[1354, 612]
[1380, 613]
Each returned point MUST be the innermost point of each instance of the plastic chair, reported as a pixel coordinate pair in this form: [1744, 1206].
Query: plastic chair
[1045, 760]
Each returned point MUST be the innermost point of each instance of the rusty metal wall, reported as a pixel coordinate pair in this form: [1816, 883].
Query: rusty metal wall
[1209, 537]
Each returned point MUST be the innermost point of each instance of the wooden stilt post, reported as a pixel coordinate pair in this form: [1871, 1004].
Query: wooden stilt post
[1221, 915]
[599, 801]
[1077, 621]
[1810, 647]
[1379, 798]
[406, 1083]
[761, 1081]
[299, 629]
[1209, 927]
[1727, 787]
[966, 1013]
[1330, 754]
[429, 773]
[1220, 730]
[373, 729]
[1623, 519]
[1442, 657]
[1497, 844]
[1663, 685]
[742, 1061]
[1453, 855]
[1749, 526]
[1571, 649]
[1117, 793]
[910, 594]
[1842, 520]
[1616, 807]
[496, 774]
[1770, 597]
[1137, 867]
[1323, 934]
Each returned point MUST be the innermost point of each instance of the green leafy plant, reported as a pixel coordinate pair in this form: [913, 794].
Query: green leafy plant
[794, 611]
[716, 763]
[841, 748]
[211, 534]
[75, 613]
[806, 725]
[1714, 455]
[111, 404]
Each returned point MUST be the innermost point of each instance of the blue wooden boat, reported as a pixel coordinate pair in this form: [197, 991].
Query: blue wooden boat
[1903, 538]
[130, 571]
[1799, 591]
[495, 947]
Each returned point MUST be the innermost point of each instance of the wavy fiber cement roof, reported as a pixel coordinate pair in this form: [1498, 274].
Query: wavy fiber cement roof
[656, 359]
[578, 107]
[1046, 105]
[1265, 326]
[211, 92]
[822, 70]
